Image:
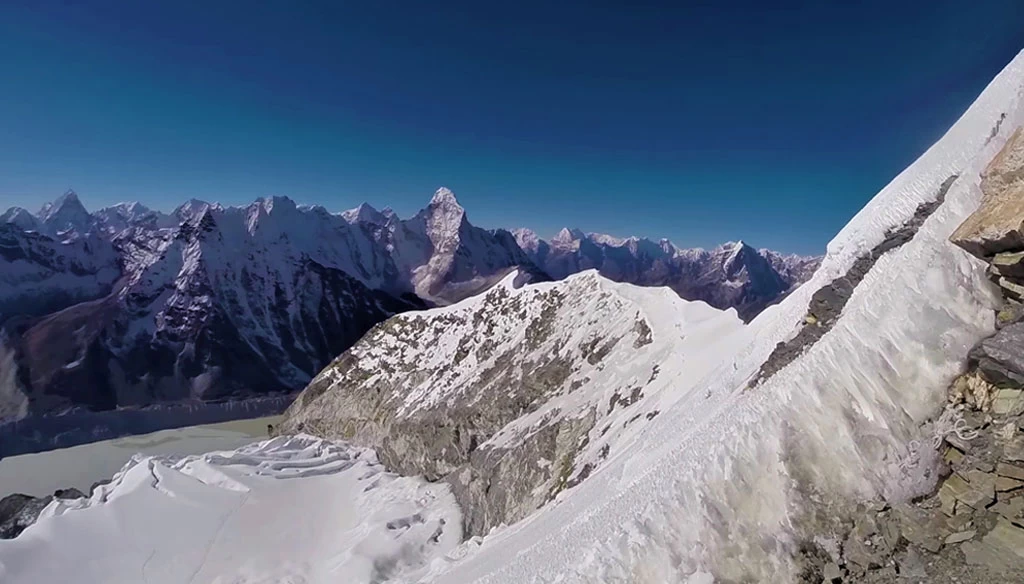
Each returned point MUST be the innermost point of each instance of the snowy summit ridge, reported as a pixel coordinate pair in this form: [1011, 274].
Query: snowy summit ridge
[732, 275]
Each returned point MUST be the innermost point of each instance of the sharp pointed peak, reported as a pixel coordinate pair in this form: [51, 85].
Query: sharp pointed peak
[69, 196]
[444, 196]
[364, 213]
[567, 234]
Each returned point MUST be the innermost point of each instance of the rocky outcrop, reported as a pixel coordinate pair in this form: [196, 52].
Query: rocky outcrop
[998, 224]
[511, 397]
[827, 303]
[970, 530]
[19, 511]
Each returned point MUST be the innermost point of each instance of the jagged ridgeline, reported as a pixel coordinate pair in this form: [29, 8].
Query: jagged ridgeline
[515, 395]
[212, 303]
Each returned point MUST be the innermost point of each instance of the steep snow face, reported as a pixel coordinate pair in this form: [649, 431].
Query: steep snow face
[726, 487]
[285, 510]
[514, 395]
[66, 214]
[365, 214]
[733, 275]
[39, 274]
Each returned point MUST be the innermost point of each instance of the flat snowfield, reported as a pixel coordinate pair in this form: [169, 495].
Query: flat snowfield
[297, 510]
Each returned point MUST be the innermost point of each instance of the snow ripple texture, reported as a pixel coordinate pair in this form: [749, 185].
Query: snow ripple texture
[293, 509]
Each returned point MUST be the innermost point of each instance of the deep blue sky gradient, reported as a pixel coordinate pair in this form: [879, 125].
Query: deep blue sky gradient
[773, 122]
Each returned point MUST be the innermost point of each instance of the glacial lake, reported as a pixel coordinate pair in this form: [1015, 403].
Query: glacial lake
[42, 473]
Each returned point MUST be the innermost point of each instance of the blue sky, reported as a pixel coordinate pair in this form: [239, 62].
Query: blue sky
[772, 122]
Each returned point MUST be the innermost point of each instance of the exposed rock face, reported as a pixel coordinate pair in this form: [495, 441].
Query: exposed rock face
[18, 511]
[1000, 358]
[733, 275]
[189, 323]
[998, 224]
[828, 301]
[511, 396]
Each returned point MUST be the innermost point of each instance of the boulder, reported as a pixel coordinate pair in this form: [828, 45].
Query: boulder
[978, 491]
[1002, 549]
[1011, 289]
[18, 511]
[1011, 313]
[1008, 402]
[998, 224]
[1009, 264]
[1010, 470]
[1000, 357]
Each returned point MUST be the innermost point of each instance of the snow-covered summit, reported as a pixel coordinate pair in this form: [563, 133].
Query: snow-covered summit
[365, 213]
[444, 197]
[20, 218]
[66, 214]
[121, 216]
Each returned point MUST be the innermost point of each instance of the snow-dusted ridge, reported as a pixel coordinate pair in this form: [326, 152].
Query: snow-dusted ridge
[215, 302]
[514, 395]
[732, 275]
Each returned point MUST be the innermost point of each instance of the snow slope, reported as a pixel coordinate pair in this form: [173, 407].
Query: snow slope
[725, 487]
[295, 510]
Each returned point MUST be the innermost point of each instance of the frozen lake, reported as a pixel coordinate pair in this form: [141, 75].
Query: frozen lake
[42, 473]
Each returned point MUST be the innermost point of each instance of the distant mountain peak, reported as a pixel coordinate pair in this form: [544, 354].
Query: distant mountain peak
[365, 213]
[444, 197]
[65, 214]
[280, 202]
[20, 218]
[567, 235]
[190, 209]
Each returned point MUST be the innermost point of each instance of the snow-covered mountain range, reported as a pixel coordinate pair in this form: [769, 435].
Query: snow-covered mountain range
[212, 302]
[128, 306]
[732, 275]
[869, 427]
[593, 431]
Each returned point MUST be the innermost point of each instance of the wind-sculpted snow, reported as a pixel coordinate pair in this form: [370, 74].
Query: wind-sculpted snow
[726, 488]
[298, 510]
